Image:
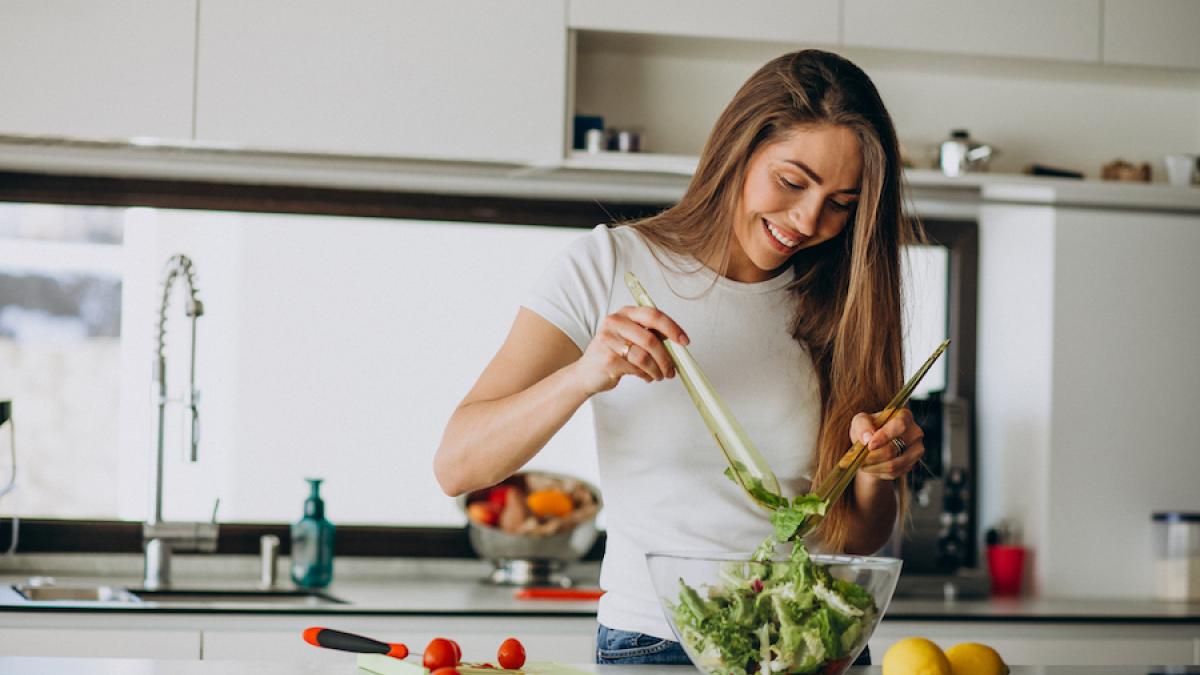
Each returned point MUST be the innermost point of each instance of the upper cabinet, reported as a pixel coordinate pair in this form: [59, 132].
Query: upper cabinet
[1159, 33]
[108, 70]
[470, 79]
[1062, 29]
[797, 21]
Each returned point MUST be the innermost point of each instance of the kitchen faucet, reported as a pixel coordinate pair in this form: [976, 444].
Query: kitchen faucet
[159, 537]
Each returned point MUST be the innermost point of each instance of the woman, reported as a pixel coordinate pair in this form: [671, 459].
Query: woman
[782, 262]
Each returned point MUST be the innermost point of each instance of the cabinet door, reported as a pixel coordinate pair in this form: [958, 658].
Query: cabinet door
[1053, 644]
[1063, 29]
[562, 639]
[98, 642]
[106, 70]
[814, 21]
[1162, 33]
[471, 79]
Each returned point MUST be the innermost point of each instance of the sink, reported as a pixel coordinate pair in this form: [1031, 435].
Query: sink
[104, 593]
[257, 597]
[74, 593]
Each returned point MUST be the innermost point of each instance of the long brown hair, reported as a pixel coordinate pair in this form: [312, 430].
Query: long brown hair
[847, 289]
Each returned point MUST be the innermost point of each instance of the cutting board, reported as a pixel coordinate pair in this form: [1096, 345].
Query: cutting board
[381, 664]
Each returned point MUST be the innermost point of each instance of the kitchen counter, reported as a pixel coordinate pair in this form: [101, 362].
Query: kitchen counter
[421, 594]
[85, 666]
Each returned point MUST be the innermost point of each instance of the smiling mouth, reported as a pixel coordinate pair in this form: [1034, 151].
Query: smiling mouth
[785, 242]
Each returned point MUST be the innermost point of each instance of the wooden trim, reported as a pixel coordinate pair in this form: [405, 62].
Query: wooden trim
[112, 536]
[179, 194]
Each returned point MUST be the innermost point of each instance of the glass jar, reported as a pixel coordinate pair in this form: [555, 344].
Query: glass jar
[1177, 544]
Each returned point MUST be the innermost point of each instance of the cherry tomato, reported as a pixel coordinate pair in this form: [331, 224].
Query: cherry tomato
[448, 670]
[457, 652]
[511, 654]
[439, 653]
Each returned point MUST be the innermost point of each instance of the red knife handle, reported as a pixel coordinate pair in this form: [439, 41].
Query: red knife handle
[349, 642]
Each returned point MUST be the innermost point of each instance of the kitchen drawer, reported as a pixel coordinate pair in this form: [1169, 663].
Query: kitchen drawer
[1054, 643]
[101, 642]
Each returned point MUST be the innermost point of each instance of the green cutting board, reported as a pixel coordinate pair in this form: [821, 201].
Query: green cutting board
[381, 664]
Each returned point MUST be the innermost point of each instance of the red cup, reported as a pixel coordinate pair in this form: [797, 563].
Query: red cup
[1007, 563]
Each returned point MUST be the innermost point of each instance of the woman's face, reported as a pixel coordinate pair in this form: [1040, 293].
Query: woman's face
[799, 191]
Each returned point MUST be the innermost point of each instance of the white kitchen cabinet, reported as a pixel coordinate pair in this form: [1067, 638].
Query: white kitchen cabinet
[472, 79]
[134, 643]
[103, 70]
[1063, 29]
[793, 21]
[1159, 33]
[562, 639]
[1054, 643]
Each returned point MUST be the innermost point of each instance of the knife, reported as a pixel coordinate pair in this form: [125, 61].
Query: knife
[349, 642]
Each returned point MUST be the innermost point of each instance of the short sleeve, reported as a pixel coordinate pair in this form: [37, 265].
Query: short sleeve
[573, 293]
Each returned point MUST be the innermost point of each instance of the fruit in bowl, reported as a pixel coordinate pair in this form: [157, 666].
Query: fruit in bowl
[734, 613]
[532, 525]
[533, 503]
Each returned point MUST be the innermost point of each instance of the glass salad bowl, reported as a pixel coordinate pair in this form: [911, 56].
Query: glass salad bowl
[807, 614]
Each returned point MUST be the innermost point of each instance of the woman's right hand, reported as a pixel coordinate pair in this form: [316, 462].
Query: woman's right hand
[629, 342]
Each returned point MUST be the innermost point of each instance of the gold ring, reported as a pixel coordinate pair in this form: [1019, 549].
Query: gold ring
[625, 350]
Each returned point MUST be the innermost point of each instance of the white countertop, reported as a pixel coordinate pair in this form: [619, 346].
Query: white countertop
[461, 592]
[100, 666]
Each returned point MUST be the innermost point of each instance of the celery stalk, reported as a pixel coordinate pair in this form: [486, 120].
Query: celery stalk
[747, 465]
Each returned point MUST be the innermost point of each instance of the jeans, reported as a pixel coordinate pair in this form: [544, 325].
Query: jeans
[623, 647]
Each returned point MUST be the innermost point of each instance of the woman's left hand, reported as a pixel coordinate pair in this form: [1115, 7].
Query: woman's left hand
[885, 459]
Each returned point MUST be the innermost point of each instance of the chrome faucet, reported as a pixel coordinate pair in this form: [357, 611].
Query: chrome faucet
[160, 538]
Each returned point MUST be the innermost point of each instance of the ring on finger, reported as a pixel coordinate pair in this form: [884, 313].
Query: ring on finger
[624, 353]
[901, 446]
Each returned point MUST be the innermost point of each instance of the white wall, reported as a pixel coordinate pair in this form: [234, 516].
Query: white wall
[1087, 372]
[1062, 114]
[331, 347]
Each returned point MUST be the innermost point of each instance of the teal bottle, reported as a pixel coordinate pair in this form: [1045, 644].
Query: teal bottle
[312, 543]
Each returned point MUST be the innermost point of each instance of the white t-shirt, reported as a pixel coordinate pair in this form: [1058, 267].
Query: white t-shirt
[661, 472]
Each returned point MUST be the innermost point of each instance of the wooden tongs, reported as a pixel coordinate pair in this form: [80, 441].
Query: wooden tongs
[830, 488]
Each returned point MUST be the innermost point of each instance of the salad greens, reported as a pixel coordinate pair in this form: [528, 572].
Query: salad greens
[766, 616]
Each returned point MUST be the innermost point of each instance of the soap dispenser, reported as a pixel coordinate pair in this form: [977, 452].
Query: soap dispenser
[312, 543]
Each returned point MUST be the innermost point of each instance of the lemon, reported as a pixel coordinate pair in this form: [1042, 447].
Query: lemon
[915, 656]
[972, 658]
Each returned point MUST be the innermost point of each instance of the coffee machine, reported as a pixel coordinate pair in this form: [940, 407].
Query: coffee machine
[937, 540]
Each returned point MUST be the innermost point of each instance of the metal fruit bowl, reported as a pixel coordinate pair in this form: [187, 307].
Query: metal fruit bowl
[532, 559]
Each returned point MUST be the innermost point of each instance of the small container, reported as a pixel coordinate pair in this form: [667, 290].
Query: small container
[628, 140]
[312, 543]
[1177, 544]
[595, 140]
[1006, 564]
